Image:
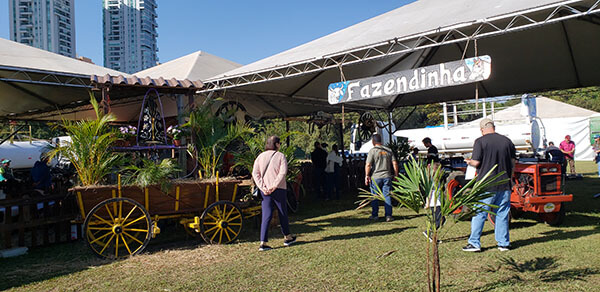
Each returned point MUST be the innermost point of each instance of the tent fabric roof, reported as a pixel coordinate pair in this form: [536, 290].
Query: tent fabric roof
[535, 45]
[195, 66]
[19, 55]
[34, 80]
[417, 17]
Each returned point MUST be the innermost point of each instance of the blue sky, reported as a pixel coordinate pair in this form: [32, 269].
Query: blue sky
[241, 31]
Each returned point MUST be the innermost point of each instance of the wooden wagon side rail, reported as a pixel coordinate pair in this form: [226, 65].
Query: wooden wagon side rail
[183, 197]
[37, 221]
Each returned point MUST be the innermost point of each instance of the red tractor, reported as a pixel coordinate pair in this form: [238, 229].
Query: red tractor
[537, 187]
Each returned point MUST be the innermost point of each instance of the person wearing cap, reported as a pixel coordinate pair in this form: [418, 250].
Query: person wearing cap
[489, 150]
[380, 169]
[596, 148]
[568, 148]
[5, 170]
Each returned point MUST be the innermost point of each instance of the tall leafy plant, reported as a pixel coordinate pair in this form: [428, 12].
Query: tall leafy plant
[255, 144]
[420, 183]
[210, 137]
[89, 150]
[150, 173]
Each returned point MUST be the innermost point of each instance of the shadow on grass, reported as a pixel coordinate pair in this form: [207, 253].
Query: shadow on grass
[46, 263]
[542, 269]
[554, 235]
[356, 235]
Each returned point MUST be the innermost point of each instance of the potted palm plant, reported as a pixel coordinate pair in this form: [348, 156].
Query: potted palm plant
[421, 183]
[210, 137]
[90, 149]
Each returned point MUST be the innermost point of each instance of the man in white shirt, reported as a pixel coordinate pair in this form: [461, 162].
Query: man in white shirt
[330, 179]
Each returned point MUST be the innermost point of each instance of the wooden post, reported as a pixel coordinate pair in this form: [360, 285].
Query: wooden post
[182, 157]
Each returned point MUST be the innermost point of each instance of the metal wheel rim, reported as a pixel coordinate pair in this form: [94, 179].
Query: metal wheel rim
[221, 223]
[117, 228]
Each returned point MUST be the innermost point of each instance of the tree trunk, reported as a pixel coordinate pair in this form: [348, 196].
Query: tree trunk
[436, 263]
[428, 264]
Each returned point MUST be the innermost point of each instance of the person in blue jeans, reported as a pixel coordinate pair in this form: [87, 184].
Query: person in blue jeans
[489, 150]
[380, 169]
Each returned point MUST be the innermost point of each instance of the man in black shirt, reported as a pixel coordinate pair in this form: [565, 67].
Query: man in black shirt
[319, 161]
[489, 150]
[432, 151]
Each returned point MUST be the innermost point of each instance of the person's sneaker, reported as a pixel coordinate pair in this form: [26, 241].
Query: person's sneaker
[389, 218]
[289, 242]
[264, 247]
[504, 248]
[373, 218]
[471, 248]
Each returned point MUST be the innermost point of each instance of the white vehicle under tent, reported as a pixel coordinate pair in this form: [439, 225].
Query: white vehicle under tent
[550, 121]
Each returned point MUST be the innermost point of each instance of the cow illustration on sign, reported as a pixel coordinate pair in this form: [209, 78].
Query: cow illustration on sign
[481, 67]
[336, 91]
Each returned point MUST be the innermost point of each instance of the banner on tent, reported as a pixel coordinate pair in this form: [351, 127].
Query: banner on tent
[435, 76]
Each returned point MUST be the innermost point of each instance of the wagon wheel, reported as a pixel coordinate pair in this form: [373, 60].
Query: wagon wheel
[221, 223]
[228, 110]
[292, 198]
[117, 228]
[367, 126]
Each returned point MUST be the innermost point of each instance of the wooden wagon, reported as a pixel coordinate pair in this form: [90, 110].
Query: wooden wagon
[121, 220]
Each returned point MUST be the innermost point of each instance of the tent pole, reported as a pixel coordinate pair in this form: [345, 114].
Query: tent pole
[455, 115]
[287, 130]
[104, 100]
[390, 121]
[445, 105]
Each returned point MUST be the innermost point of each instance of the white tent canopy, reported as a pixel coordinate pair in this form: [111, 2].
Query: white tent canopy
[534, 45]
[33, 80]
[195, 66]
[559, 119]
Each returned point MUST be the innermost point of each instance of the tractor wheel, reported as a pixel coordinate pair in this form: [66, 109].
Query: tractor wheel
[516, 213]
[555, 218]
[117, 228]
[221, 223]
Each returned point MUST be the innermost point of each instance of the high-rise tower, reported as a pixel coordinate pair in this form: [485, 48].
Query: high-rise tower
[130, 35]
[44, 24]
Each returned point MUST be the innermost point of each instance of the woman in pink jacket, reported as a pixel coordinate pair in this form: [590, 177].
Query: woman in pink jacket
[270, 168]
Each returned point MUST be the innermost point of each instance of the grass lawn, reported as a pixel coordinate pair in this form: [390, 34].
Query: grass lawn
[339, 249]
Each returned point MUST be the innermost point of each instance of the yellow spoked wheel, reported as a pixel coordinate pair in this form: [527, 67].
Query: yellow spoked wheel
[221, 223]
[117, 228]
